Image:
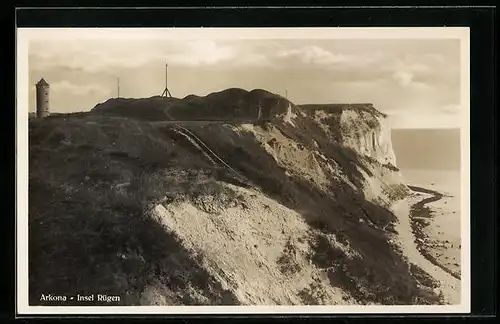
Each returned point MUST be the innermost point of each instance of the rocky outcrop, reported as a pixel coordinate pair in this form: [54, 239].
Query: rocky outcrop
[357, 126]
[367, 134]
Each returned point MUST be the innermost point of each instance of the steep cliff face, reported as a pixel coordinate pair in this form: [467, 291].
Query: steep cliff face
[288, 209]
[368, 135]
[358, 132]
[357, 126]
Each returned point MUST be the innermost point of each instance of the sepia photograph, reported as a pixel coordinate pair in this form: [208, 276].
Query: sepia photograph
[243, 170]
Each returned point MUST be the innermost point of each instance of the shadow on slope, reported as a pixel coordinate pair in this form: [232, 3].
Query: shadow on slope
[90, 183]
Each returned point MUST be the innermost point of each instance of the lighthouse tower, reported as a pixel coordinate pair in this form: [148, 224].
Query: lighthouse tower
[42, 99]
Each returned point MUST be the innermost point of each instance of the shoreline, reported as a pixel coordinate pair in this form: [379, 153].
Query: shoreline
[449, 286]
[421, 216]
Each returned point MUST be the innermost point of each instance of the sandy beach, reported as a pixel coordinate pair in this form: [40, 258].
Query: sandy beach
[436, 221]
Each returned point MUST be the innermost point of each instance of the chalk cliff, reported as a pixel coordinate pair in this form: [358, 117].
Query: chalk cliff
[368, 135]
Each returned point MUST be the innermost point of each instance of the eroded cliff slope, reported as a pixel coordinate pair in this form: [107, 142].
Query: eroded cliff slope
[277, 204]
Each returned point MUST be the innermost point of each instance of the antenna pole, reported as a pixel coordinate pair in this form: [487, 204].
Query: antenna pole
[166, 91]
[286, 94]
[118, 86]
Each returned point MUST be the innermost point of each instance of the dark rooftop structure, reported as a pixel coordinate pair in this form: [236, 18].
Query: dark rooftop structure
[42, 82]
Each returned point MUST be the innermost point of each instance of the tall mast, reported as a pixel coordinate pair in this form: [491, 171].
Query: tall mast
[118, 86]
[166, 91]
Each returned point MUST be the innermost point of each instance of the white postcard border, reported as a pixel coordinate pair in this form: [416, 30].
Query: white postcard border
[25, 35]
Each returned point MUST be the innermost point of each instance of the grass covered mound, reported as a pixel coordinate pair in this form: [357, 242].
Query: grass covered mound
[229, 104]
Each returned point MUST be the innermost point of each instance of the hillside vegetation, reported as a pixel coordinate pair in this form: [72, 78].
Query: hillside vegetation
[281, 210]
[230, 104]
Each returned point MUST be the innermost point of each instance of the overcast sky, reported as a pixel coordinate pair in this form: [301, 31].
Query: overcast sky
[417, 82]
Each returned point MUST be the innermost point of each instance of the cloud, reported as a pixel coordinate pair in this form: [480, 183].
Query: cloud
[434, 58]
[198, 53]
[391, 74]
[408, 79]
[92, 61]
[346, 65]
[105, 56]
[451, 109]
[418, 74]
[404, 78]
[208, 52]
[317, 55]
[415, 68]
[312, 55]
[79, 90]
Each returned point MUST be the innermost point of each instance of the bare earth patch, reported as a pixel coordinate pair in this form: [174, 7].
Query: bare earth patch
[268, 243]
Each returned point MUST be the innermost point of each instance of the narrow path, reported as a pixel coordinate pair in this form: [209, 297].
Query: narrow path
[195, 144]
[449, 285]
[195, 140]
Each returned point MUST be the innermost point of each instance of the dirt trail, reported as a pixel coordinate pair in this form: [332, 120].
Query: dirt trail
[211, 155]
[449, 285]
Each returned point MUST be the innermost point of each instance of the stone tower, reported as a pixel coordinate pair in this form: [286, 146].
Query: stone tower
[42, 99]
